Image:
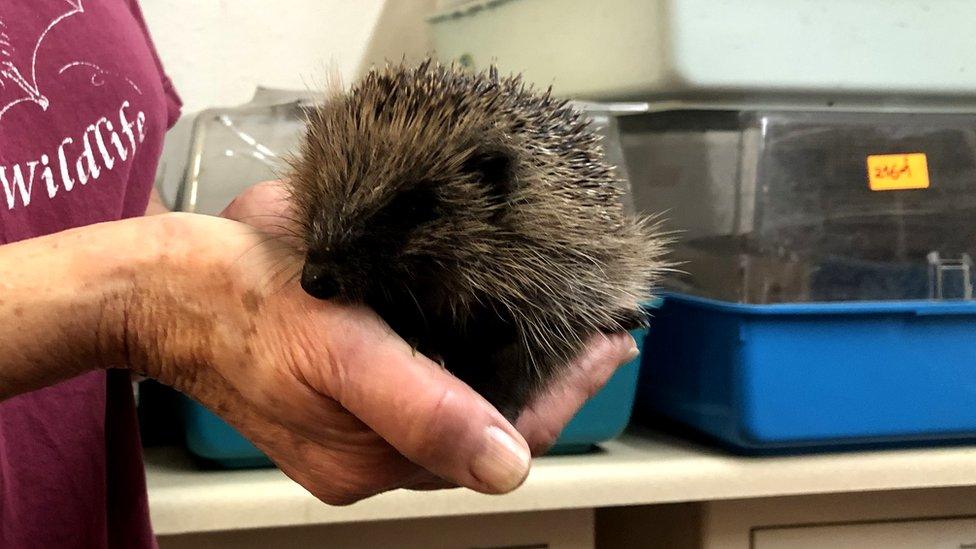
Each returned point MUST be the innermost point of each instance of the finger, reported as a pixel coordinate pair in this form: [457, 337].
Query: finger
[264, 206]
[547, 415]
[430, 416]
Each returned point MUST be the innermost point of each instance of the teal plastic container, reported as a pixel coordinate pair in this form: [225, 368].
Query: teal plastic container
[604, 417]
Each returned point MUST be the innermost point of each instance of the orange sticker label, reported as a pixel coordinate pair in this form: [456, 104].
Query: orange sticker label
[896, 172]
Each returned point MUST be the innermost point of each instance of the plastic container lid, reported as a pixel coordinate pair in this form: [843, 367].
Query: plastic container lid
[779, 207]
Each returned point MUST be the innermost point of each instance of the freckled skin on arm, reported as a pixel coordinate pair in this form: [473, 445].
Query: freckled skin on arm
[64, 290]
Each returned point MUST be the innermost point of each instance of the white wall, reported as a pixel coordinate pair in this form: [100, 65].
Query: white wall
[218, 51]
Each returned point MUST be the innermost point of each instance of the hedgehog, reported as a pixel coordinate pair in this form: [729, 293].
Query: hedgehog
[477, 216]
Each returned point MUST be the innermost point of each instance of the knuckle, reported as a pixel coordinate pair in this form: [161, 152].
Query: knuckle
[438, 434]
[431, 430]
[336, 499]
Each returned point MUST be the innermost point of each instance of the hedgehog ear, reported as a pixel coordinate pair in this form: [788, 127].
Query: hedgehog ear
[494, 167]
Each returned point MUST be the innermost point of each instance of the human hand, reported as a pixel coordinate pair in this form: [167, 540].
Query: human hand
[327, 391]
[265, 207]
[208, 305]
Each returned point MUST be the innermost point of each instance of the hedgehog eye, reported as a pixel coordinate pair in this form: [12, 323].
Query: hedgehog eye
[495, 168]
[413, 207]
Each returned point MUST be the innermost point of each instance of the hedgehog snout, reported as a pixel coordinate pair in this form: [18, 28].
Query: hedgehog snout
[319, 282]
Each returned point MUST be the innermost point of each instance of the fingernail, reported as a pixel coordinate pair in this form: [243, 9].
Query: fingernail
[504, 463]
[632, 351]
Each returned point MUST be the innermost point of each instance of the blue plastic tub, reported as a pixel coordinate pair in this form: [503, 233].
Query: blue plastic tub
[782, 377]
[602, 418]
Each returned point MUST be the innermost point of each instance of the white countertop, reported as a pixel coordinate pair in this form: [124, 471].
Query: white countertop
[639, 468]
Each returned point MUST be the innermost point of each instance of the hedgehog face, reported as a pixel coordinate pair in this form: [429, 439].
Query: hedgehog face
[398, 239]
[356, 256]
[444, 190]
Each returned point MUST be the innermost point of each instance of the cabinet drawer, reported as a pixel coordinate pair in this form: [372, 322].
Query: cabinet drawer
[912, 534]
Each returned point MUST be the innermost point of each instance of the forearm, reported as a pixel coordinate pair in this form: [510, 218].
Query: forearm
[63, 300]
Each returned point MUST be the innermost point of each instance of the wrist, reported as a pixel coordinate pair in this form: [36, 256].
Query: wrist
[141, 293]
[125, 278]
[62, 308]
[159, 315]
[110, 264]
[181, 295]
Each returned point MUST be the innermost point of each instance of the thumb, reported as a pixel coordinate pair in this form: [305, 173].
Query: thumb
[427, 414]
[263, 205]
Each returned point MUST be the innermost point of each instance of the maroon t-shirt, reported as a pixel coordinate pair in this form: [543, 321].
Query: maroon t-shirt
[84, 105]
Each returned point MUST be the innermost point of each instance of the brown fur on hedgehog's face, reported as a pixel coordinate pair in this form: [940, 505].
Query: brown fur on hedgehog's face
[388, 235]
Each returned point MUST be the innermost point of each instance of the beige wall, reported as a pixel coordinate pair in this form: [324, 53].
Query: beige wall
[217, 51]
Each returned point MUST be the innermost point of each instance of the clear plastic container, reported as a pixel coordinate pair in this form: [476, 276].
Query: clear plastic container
[785, 207]
[236, 147]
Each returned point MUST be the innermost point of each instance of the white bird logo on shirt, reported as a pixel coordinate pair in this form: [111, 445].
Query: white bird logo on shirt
[18, 59]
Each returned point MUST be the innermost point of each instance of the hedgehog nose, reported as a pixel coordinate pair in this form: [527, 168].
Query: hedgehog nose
[318, 282]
